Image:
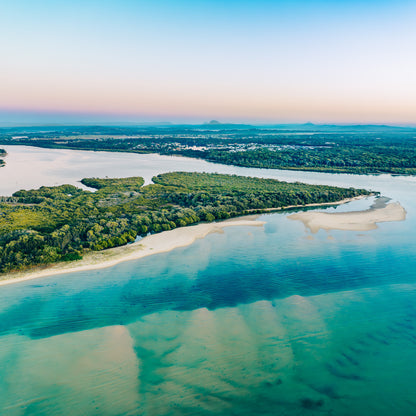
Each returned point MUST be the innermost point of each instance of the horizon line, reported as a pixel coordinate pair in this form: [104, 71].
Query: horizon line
[97, 123]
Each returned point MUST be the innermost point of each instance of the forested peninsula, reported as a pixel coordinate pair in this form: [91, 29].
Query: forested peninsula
[62, 223]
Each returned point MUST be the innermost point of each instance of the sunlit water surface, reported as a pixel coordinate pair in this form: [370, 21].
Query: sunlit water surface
[254, 321]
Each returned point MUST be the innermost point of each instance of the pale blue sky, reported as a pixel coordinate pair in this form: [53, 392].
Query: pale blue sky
[257, 61]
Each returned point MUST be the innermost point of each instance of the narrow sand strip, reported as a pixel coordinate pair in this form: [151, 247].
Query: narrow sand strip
[152, 244]
[352, 221]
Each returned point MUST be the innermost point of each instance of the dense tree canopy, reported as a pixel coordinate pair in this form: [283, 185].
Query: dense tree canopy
[2, 154]
[60, 223]
[335, 159]
[337, 149]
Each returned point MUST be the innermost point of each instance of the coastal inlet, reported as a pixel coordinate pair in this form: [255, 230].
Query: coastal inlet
[254, 320]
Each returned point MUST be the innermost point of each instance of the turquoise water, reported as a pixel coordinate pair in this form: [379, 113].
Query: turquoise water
[254, 321]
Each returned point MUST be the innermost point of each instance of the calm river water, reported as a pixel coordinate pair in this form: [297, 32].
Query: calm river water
[254, 321]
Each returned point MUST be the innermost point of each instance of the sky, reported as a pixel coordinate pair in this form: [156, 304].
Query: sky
[263, 61]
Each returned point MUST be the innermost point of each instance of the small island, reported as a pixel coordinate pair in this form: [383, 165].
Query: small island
[63, 223]
[2, 154]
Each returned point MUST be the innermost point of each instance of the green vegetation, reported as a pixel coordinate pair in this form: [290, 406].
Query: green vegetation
[2, 154]
[335, 149]
[61, 223]
[334, 159]
[112, 184]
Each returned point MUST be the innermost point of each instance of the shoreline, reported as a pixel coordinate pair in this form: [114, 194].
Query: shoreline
[319, 204]
[179, 155]
[153, 244]
[365, 220]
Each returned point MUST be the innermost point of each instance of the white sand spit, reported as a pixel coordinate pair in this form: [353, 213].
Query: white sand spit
[353, 221]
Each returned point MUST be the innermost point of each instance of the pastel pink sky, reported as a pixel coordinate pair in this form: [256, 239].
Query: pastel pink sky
[269, 62]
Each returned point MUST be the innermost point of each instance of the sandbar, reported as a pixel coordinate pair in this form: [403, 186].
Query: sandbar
[152, 244]
[351, 221]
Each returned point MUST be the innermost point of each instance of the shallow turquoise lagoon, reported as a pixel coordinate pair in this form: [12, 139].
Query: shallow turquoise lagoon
[254, 321]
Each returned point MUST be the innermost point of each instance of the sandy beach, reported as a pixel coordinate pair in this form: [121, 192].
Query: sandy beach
[152, 244]
[352, 221]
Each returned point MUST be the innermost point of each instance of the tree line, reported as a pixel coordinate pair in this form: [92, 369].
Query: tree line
[2, 154]
[61, 223]
[362, 151]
